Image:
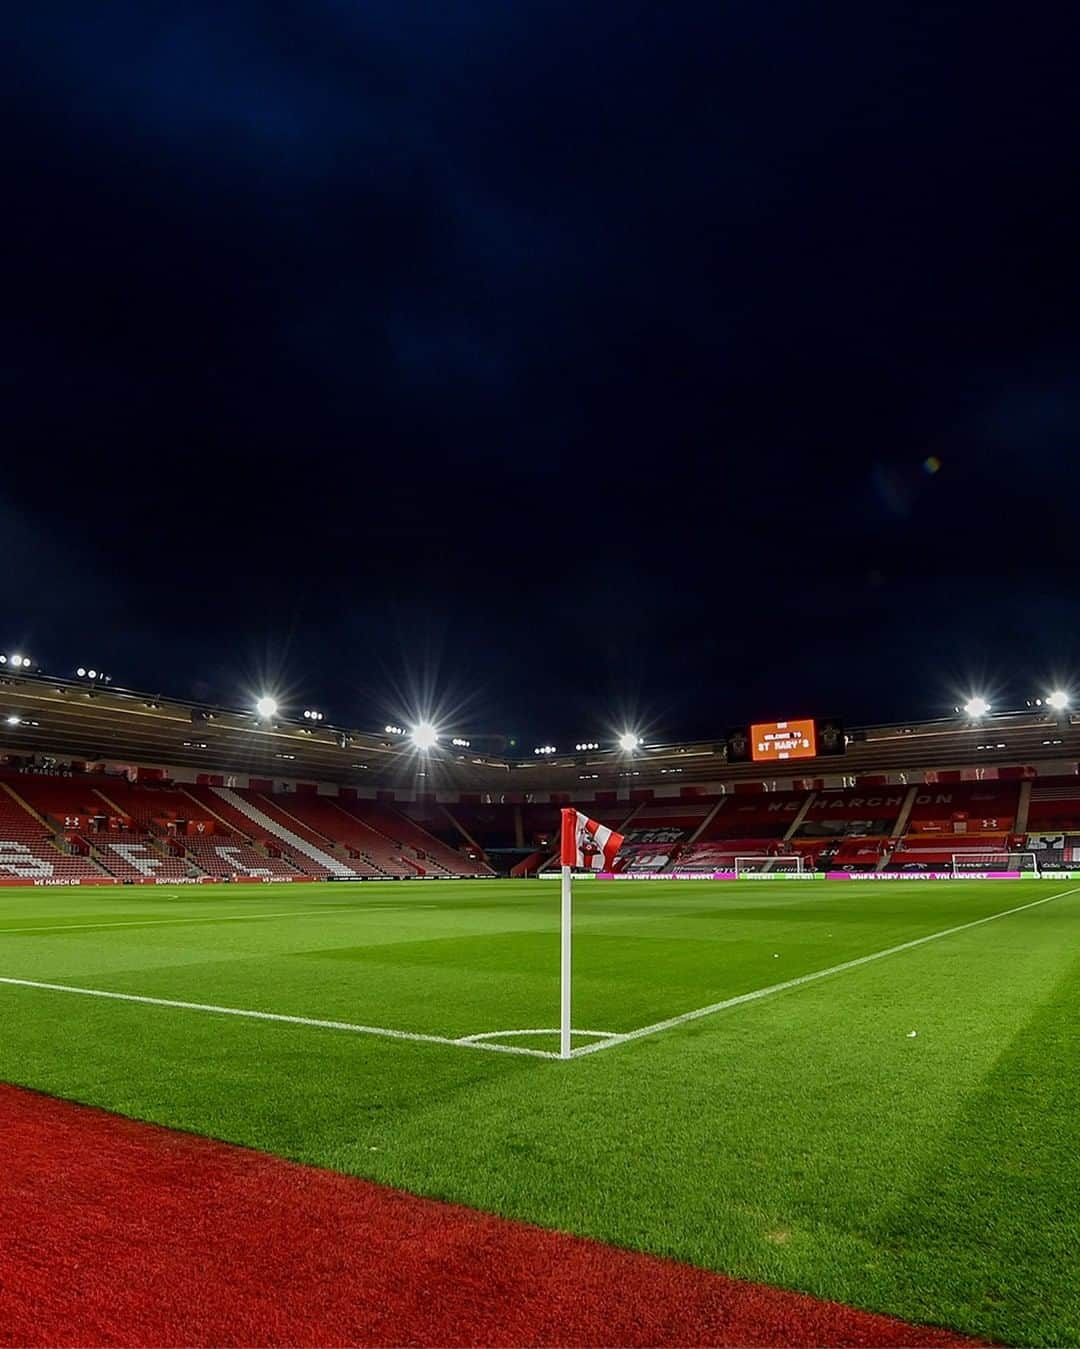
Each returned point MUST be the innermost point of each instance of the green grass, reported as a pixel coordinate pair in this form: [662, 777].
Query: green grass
[803, 1139]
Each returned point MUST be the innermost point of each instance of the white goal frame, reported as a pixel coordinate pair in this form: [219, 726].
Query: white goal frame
[977, 861]
[767, 860]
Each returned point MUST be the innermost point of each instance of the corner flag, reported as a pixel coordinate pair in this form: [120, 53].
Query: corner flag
[586, 843]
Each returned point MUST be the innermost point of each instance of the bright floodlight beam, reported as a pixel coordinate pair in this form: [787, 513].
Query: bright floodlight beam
[1058, 700]
[425, 736]
[629, 741]
[266, 706]
[976, 707]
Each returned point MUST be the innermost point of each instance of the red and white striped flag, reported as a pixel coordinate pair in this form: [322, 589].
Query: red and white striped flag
[586, 843]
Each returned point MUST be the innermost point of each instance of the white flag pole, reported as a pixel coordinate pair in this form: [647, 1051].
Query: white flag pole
[564, 971]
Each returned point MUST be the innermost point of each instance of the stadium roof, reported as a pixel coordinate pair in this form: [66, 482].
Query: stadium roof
[68, 719]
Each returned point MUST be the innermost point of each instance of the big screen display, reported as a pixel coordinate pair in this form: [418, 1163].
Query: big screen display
[770, 740]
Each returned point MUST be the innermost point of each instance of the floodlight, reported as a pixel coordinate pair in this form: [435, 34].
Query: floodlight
[1058, 700]
[629, 741]
[81, 671]
[16, 661]
[976, 707]
[14, 719]
[91, 674]
[425, 736]
[266, 706]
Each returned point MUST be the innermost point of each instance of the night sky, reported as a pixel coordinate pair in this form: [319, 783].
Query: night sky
[557, 365]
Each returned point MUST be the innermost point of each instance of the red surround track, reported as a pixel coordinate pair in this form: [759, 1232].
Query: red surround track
[119, 1233]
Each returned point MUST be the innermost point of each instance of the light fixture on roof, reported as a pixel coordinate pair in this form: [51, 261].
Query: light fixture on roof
[311, 715]
[587, 744]
[976, 707]
[1058, 700]
[460, 743]
[394, 730]
[424, 735]
[545, 749]
[628, 741]
[266, 706]
[14, 719]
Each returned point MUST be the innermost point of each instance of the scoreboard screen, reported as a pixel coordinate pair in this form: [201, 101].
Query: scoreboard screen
[771, 740]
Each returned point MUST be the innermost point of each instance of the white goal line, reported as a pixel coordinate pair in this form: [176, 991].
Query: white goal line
[485, 1040]
[248, 1014]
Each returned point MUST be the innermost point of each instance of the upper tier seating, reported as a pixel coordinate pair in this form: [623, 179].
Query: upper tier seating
[1055, 804]
[965, 807]
[758, 815]
[65, 802]
[870, 812]
[685, 815]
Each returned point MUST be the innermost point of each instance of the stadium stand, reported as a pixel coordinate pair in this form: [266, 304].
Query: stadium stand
[82, 809]
[1055, 804]
[366, 851]
[492, 825]
[228, 857]
[948, 818]
[437, 821]
[415, 845]
[987, 807]
[266, 844]
[29, 849]
[302, 841]
[755, 815]
[740, 825]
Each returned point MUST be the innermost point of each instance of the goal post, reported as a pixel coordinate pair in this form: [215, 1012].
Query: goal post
[969, 863]
[762, 865]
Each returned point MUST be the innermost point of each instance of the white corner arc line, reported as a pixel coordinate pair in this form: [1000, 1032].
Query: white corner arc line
[382, 1031]
[550, 1030]
[671, 1022]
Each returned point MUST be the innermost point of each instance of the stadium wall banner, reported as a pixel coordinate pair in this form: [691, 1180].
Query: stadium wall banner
[62, 880]
[926, 876]
[710, 876]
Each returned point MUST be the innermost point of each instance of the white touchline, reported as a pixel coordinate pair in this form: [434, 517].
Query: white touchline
[206, 918]
[320, 1024]
[757, 993]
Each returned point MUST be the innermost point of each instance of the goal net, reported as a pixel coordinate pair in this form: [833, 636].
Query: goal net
[967, 863]
[768, 866]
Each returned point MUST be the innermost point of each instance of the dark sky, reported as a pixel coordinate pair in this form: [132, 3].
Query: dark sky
[559, 364]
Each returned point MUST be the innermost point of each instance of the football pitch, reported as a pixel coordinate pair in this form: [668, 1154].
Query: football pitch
[870, 1092]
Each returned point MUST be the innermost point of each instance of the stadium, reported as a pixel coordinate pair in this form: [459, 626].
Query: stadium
[539, 676]
[312, 972]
